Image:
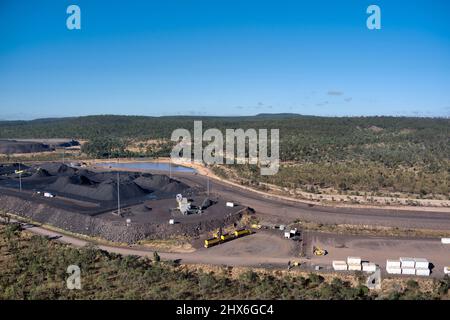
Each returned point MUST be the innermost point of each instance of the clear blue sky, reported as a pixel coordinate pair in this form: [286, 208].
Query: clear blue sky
[224, 57]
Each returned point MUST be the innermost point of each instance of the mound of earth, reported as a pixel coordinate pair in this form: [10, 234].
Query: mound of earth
[68, 144]
[160, 183]
[82, 186]
[14, 146]
[41, 173]
[55, 169]
[102, 186]
[6, 169]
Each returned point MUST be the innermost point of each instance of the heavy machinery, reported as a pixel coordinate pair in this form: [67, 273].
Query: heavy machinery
[220, 237]
[292, 264]
[241, 232]
[227, 236]
[212, 242]
[218, 233]
[317, 251]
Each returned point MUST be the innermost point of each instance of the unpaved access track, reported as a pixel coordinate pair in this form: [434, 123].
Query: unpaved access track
[267, 249]
[273, 209]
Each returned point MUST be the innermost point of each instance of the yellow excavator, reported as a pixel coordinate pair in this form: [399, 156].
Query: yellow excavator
[292, 264]
[218, 233]
[319, 251]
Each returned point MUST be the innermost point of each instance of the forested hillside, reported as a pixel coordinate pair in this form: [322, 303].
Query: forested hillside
[390, 140]
[372, 154]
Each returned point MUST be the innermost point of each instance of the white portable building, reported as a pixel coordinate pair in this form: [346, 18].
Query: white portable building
[422, 263]
[394, 270]
[423, 272]
[409, 271]
[393, 263]
[339, 265]
[369, 267]
[407, 262]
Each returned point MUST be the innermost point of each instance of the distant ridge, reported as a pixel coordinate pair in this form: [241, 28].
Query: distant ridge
[278, 115]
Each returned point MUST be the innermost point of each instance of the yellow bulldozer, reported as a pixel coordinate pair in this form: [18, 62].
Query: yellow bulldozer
[317, 251]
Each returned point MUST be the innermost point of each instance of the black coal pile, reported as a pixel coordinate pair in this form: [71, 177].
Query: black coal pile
[13, 146]
[160, 183]
[63, 180]
[6, 169]
[82, 186]
[55, 169]
[68, 144]
[41, 173]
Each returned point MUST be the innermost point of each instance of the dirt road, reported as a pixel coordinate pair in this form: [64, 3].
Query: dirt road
[377, 249]
[277, 253]
[269, 249]
[283, 211]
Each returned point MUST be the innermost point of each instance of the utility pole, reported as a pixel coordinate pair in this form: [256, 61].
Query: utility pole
[118, 193]
[207, 185]
[20, 179]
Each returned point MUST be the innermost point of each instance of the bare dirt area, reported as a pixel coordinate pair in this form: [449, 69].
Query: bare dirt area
[145, 216]
[394, 202]
[261, 243]
[14, 147]
[30, 146]
[376, 249]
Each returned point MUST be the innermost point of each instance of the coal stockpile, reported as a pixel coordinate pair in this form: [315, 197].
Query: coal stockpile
[82, 186]
[6, 169]
[160, 184]
[13, 146]
[55, 169]
[68, 144]
[60, 179]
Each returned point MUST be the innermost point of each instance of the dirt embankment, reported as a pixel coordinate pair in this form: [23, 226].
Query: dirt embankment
[116, 231]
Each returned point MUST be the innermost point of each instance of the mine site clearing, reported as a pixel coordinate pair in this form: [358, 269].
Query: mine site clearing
[168, 202]
[125, 206]
[24, 146]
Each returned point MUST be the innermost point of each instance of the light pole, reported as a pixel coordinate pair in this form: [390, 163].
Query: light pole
[20, 179]
[118, 193]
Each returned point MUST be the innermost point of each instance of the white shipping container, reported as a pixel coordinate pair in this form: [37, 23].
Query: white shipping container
[422, 263]
[445, 240]
[287, 235]
[447, 270]
[407, 262]
[171, 221]
[353, 260]
[394, 270]
[393, 264]
[338, 262]
[339, 265]
[230, 204]
[48, 195]
[369, 267]
[410, 271]
[423, 272]
[354, 267]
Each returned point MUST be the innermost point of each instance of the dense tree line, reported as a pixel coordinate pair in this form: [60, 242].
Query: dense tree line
[390, 140]
[361, 153]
